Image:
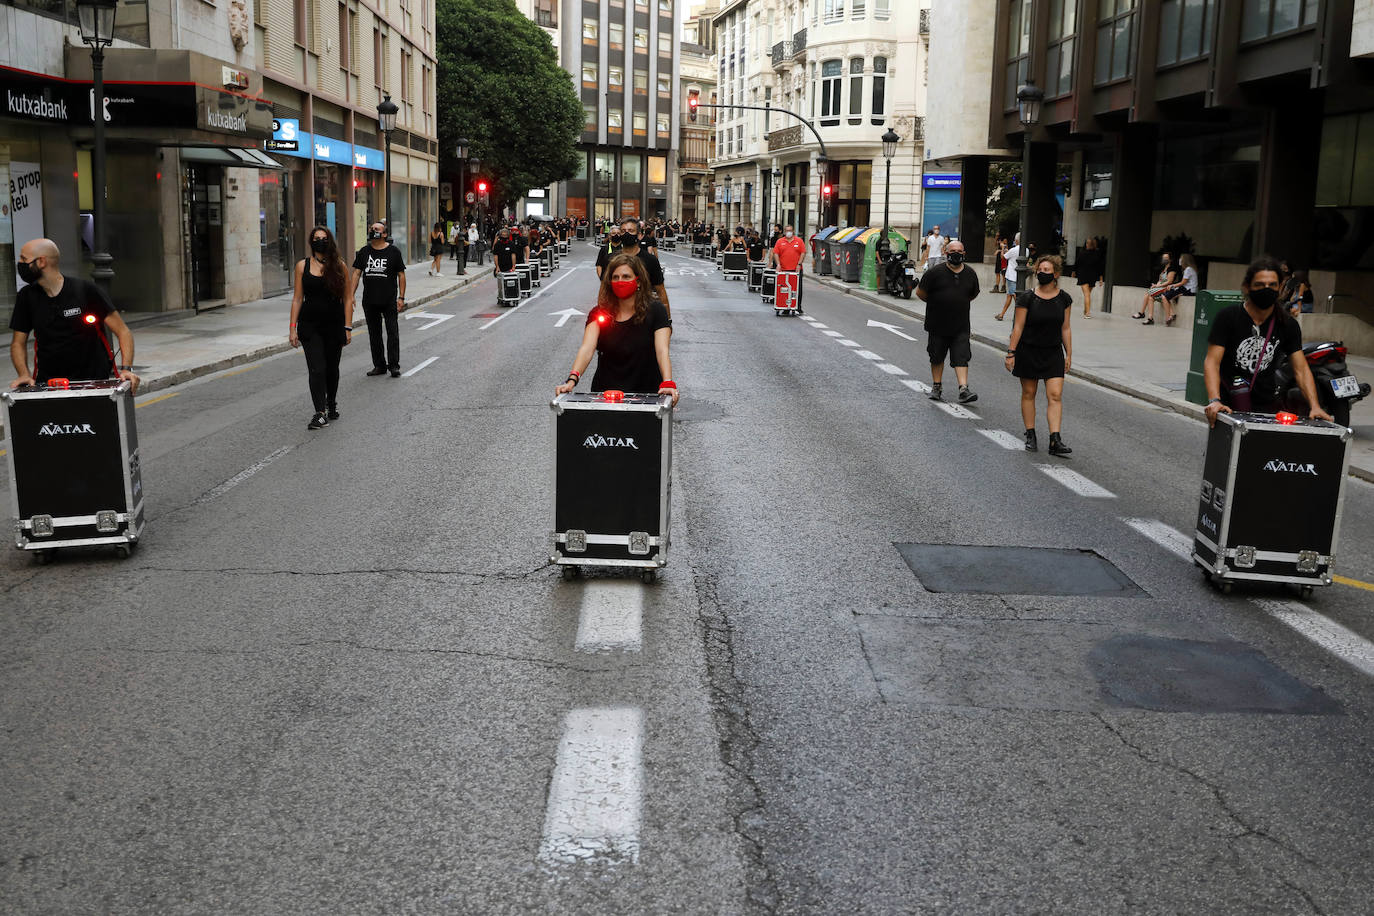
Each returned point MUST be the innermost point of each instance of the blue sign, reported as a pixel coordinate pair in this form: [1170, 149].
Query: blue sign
[333, 150]
[365, 157]
[951, 182]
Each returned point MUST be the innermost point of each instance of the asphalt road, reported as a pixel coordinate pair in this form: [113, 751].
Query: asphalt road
[340, 677]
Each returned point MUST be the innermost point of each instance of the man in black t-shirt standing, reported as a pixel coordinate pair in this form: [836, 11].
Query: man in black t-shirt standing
[383, 272]
[69, 318]
[628, 243]
[948, 289]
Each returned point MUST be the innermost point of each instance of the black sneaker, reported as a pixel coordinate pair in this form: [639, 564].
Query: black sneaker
[1057, 446]
[376, 370]
[937, 392]
[318, 421]
[395, 373]
[966, 396]
[333, 413]
[1031, 444]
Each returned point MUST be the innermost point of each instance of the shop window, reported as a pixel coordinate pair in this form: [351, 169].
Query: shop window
[1208, 173]
[1018, 49]
[1263, 18]
[1185, 30]
[879, 89]
[1060, 51]
[1345, 170]
[1115, 40]
[830, 92]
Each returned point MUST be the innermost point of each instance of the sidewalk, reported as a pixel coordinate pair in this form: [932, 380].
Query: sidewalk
[1150, 363]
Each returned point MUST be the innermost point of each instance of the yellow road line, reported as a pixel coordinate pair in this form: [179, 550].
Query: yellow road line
[1354, 583]
[161, 397]
[237, 371]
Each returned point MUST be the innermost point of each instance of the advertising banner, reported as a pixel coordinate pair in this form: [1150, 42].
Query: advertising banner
[26, 204]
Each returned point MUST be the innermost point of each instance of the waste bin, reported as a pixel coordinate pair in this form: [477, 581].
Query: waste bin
[868, 277]
[820, 250]
[848, 253]
[1205, 308]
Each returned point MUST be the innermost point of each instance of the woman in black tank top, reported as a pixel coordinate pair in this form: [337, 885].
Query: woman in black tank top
[321, 322]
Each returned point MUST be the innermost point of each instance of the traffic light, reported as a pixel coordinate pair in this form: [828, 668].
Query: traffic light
[481, 187]
[826, 191]
[693, 102]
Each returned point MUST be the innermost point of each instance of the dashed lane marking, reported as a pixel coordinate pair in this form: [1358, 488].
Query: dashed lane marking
[868, 354]
[845, 341]
[1347, 645]
[157, 400]
[816, 324]
[418, 366]
[1075, 481]
[596, 794]
[832, 333]
[917, 386]
[891, 369]
[1166, 536]
[1005, 439]
[957, 410]
[612, 617]
[808, 318]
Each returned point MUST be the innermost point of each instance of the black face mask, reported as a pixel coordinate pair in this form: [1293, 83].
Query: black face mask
[1264, 297]
[1043, 278]
[319, 246]
[374, 234]
[955, 257]
[27, 272]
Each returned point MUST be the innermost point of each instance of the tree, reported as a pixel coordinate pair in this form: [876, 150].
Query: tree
[500, 87]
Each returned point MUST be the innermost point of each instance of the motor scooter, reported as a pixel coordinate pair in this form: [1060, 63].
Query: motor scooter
[1337, 387]
[900, 273]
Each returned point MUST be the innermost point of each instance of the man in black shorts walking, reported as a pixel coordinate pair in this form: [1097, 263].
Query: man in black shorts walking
[948, 289]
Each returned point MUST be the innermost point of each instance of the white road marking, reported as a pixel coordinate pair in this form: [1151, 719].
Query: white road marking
[957, 410]
[1075, 481]
[917, 386]
[564, 315]
[612, 617]
[596, 794]
[891, 369]
[418, 366]
[868, 354]
[814, 323]
[832, 333]
[1166, 536]
[1005, 439]
[243, 475]
[891, 327]
[543, 289]
[809, 318]
[1345, 644]
[847, 342]
[438, 319]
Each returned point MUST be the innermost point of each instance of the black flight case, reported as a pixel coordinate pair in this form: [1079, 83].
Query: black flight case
[768, 289]
[614, 455]
[1270, 505]
[75, 479]
[756, 269]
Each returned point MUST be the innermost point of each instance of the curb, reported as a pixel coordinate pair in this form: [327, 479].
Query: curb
[1187, 409]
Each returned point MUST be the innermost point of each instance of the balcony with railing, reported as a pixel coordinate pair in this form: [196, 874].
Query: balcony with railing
[785, 52]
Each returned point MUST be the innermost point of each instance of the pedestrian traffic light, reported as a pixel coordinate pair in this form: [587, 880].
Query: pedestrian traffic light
[693, 102]
[826, 190]
[481, 187]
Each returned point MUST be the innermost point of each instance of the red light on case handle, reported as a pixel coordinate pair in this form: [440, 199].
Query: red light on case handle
[614, 397]
[59, 383]
[1285, 418]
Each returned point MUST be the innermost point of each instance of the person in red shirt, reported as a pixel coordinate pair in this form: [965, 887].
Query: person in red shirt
[789, 254]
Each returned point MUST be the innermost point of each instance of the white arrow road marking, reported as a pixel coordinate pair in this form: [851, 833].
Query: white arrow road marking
[1075, 481]
[868, 354]
[957, 410]
[612, 617]
[1345, 644]
[543, 289]
[1004, 439]
[891, 327]
[891, 369]
[1171, 539]
[845, 341]
[438, 319]
[565, 315]
[597, 790]
[411, 371]
[831, 333]
[916, 386]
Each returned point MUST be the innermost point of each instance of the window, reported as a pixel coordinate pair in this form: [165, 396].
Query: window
[1059, 54]
[589, 77]
[545, 13]
[589, 30]
[665, 123]
[856, 9]
[589, 113]
[856, 89]
[834, 10]
[641, 82]
[640, 122]
[665, 44]
[882, 9]
[1097, 183]
[879, 88]
[1018, 49]
[1208, 173]
[830, 91]
[630, 171]
[343, 36]
[665, 84]
[642, 40]
[378, 56]
[665, 6]
[615, 77]
[1115, 40]
[616, 34]
[615, 120]
[1185, 30]
[658, 170]
[1262, 18]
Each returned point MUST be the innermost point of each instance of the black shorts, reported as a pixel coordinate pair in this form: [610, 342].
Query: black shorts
[957, 347]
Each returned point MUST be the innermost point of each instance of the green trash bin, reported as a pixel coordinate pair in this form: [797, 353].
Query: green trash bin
[868, 277]
[1206, 305]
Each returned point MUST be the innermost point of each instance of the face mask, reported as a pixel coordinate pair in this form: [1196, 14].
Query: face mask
[1043, 278]
[319, 246]
[624, 289]
[788, 233]
[955, 257]
[374, 234]
[1264, 297]
[28, 272]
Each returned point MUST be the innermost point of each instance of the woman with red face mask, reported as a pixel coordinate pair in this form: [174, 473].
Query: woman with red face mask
[630, 331]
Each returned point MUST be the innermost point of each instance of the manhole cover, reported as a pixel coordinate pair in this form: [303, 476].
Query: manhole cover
[1184, 675]
[1015, 571]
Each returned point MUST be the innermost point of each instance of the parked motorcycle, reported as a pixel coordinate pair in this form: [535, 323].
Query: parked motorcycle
[900, 272]
[1337, 388]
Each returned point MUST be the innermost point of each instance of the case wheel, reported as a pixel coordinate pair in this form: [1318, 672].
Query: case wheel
[1305, 592]
[123, 551]
[649, 575]
[42, 557]
[1225, 587]
[570, 573]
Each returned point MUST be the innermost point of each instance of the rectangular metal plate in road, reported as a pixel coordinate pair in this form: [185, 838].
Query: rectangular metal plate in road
[1016, 571]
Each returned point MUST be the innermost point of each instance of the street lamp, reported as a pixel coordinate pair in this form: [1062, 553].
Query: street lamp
[822, 167]
[1028, 99]
[386, 120]
[777, 194]
[474, 167]
[890, 141]
[728, 202]
[460, 152]
[96, 19]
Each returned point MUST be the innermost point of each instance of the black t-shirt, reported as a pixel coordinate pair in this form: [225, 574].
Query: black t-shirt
[1044, 324]
[652, 265]
[504, 253]
[755, 247]
[380, 268]
[626, 359]
[521, 245]
[65, 343]
[949, 296]
[1242, 341]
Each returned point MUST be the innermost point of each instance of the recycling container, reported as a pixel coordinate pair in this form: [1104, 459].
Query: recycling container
[1205, 307]
[820, 250]
[851, 255]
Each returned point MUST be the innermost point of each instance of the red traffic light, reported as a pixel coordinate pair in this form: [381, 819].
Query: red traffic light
[826, 190]
[482, 187]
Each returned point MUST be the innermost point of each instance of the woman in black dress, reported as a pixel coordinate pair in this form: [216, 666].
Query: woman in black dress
[629, 331]
[321, 322]
[1042, 348]
[1089, 271]
[436, 249]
